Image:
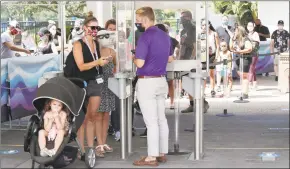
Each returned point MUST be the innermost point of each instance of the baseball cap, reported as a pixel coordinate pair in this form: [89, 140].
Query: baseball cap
[14, 24]
[280, 22]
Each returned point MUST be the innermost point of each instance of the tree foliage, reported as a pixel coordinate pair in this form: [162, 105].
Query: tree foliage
[244, 10]
[32, 10]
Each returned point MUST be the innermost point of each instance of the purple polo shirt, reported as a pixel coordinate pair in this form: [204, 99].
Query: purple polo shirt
[154, 46]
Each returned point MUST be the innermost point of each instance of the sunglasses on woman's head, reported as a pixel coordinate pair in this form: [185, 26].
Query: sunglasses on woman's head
[95, 28]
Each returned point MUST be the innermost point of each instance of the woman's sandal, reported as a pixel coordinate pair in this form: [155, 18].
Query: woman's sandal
[107, 148]
[100, 151]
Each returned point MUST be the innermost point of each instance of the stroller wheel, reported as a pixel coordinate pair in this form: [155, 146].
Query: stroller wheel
[90, 158]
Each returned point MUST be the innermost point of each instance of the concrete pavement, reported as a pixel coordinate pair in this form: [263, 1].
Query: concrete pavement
[233, 141]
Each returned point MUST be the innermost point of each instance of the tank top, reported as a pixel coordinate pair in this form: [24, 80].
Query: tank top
[211, 42]
[87, 56]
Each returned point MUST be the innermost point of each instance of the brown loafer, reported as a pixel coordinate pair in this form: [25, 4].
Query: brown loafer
[142, 162]
[161, 159]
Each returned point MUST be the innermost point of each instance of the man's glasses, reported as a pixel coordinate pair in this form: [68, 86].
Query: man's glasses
[223, 46]
[98, 28]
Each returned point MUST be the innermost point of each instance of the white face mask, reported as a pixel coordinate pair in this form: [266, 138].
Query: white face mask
[52, 30]
[280, 27]
[250, 28]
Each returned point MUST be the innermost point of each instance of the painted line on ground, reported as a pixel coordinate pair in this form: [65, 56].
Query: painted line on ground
[224, 148]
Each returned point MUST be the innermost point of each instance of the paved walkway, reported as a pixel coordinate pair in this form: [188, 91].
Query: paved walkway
[233, 141]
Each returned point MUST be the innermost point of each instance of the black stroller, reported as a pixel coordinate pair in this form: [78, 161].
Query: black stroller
[71, 93]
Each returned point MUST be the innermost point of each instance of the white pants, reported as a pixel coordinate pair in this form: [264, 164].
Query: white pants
[151, 93]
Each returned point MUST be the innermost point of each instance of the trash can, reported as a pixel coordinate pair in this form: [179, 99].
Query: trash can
[283, 76]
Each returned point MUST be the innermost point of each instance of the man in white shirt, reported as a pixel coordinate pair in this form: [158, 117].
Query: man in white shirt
[7, 45]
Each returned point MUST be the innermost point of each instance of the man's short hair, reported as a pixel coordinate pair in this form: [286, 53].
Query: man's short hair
[146, 12]
[187, 14]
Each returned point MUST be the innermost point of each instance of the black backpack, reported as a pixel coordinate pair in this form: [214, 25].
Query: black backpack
[70, 69]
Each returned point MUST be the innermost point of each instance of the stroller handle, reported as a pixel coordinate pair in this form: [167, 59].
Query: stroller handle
[77, 81]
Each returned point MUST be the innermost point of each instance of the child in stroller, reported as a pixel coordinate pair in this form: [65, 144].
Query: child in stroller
[55, 126]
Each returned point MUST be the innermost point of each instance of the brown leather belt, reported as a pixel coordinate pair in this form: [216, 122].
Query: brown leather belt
[147, 77]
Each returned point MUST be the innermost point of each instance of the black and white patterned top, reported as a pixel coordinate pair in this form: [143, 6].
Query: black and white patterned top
[107, 96]
[280, 38]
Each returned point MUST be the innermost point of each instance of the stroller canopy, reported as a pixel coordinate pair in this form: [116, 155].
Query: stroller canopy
[63, 90]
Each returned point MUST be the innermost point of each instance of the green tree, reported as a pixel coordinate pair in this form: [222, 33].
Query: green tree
[22, 10]
[244, 10]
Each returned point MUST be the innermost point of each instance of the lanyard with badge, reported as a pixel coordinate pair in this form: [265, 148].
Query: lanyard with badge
[99, 78]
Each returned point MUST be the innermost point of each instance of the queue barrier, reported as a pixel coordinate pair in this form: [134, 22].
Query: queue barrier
[19, 83]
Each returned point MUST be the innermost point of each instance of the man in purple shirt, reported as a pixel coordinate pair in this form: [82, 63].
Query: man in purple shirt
[152, 55]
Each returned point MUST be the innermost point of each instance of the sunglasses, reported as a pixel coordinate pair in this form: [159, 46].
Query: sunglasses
[107, 36]
[223, 46]
[95, 28]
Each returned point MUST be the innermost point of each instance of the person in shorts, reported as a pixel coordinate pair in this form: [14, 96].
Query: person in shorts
[89, 61]
[279, 43]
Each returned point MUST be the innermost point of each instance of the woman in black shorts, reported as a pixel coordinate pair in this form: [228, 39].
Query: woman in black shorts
[89, 62]
[213, 44]
[242, 46]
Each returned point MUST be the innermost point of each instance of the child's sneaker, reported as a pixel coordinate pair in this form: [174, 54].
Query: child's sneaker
[44, 152]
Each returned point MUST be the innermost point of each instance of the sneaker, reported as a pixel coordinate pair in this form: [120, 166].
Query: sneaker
[212, 93]
[245, 96]
[219, 89]
[44, 152]
[205, 106]
[144, 135]
[117, 136]
[188, 110]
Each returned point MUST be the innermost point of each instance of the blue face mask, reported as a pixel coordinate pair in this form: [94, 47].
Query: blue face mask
[225, 22]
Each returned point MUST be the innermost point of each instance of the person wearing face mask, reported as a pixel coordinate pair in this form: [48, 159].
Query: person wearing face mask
[241, 45]
[152, 55]
[46, 46]
[262, 30]
[213, 43]
[254, 37]
[7, 45]
[187, 36]
[279, 43]
[89, 61]
[225, 32]
[187, 44]
[77, 32]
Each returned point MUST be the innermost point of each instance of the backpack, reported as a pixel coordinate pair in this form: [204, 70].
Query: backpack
[70, 69]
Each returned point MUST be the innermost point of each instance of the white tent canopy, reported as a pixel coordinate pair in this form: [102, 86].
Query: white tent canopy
[190, 5]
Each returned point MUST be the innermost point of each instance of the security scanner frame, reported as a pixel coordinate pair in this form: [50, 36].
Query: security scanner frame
[193, 85]
[121, 84]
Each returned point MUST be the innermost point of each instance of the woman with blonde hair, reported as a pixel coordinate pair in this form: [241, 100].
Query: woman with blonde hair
[241, 45]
